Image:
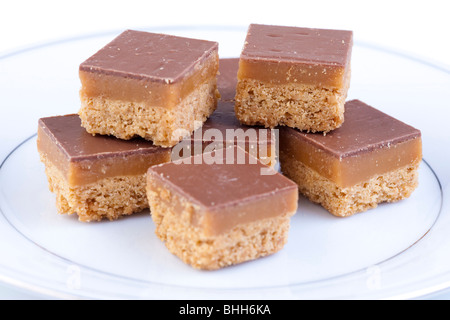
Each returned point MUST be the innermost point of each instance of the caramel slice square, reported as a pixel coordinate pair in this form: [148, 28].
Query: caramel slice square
[95, 177]
[155, 86]
[296, 77]
[372, 158]
[223, 129]
[221, 208]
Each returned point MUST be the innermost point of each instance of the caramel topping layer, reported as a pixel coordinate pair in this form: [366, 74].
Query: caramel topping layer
[152, 56]
[145, 90]
[84, 158]
[227, 194]
[368, 143]
[278, 54]
[283, 73]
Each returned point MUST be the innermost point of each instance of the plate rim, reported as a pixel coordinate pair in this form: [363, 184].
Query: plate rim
[391, 51]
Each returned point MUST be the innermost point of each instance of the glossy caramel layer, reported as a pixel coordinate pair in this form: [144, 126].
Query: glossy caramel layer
[287, 72]
[224, 195]
[145, 90]
[368, 143]
[89, 171]
[215, 221]
[348, 171]
[280, 55]
[221, 219]
[83, 158]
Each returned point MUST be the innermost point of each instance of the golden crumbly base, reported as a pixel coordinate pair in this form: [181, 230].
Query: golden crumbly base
[305, 107]
[164, 126]
[109, 198]
[242, 243]
[390, 187]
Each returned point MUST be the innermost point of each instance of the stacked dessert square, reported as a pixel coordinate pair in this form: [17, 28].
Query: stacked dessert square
[294, 77]
[140, 94]
[149, 85]
[223, 212]
[165, 124]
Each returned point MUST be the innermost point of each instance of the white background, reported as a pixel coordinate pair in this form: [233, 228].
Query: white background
[417, 28]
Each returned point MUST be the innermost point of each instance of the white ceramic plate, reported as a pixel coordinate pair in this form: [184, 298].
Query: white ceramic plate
[398, 250]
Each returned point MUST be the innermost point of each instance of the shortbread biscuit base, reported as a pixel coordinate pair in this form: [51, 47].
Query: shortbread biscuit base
[108, 198]
[343, 202]
[242, 243]
[305, 107]
[164, 126]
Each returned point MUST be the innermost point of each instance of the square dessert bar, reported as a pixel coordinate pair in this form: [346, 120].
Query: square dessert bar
[159, 87]
[297, 77]
[218, 209]
[223, 129]
[95, 176]
[371, 158]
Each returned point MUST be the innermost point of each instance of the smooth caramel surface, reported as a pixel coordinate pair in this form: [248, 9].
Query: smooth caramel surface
[369, 143]
[348, 171]
[84, 159]
[280, 55]
[145, 55]
[285, 72]
[227, 194]
[145, 89]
